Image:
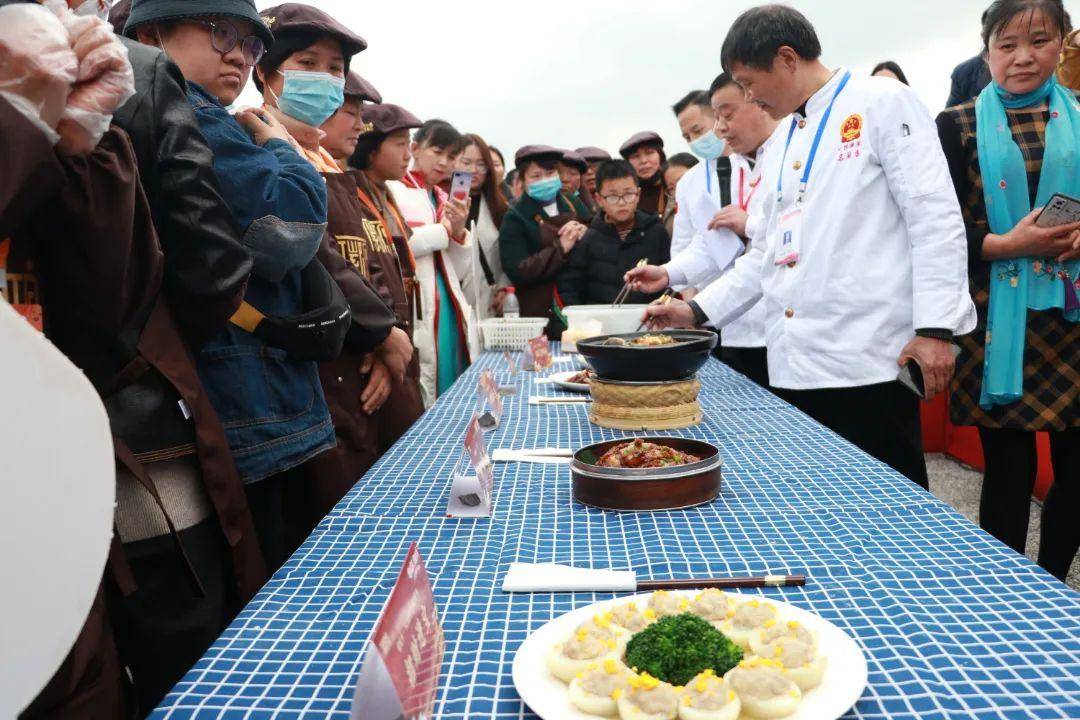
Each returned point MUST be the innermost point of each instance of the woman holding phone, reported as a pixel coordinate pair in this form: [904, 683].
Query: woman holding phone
[1009, 151]
[483, 281]
[443, 334]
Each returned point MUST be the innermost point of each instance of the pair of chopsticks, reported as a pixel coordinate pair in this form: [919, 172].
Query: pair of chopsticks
[535, 455]
[625, 292]
[535, 400]
[662, 300]
[757, 581]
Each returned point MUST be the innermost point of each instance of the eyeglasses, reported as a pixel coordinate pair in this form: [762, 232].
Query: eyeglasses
[224, 37]
[625, 199]
[474, 166]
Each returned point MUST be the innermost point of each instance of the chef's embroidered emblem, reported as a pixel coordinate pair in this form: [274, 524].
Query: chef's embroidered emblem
[851, 129]
[269, 20]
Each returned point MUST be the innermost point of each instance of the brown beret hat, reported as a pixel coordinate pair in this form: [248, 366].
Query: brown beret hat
[299, 18]
[647, 137]
[575, 160]
[535, 152]
[386, 118]
[358, 87]
[593, 154]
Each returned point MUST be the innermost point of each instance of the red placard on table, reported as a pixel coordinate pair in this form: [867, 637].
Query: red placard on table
[490, 400]
[400, 674]
[538, 354]
[471, 487]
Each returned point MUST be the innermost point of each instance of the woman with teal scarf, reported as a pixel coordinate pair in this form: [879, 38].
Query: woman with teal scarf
[1010, 150]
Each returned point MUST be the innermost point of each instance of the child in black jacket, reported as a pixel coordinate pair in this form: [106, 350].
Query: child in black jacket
[619, 236]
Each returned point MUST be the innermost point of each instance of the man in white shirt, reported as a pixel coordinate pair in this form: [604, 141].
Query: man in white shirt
[863, 267]
[718, 229]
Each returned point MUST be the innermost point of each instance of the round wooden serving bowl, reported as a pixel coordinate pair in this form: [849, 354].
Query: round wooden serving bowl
[637, 489]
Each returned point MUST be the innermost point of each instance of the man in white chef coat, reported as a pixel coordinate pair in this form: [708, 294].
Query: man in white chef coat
[863, 264]
[712, 176]
[715, 218]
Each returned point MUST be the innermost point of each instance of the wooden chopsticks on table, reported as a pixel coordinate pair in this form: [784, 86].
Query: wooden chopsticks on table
[625, 292]
[725, 583]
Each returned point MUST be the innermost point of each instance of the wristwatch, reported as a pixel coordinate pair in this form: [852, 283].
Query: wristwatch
[935, 334]
[700, 318]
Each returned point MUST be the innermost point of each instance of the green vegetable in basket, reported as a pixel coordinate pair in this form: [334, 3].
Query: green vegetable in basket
[675, 649]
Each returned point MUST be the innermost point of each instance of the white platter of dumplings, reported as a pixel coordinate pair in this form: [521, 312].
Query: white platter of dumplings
[796, 665]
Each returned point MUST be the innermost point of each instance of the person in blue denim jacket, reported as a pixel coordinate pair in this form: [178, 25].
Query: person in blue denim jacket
[272, 407]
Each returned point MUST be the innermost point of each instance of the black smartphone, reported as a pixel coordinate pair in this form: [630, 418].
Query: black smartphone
[1060, 210]
[911, 375]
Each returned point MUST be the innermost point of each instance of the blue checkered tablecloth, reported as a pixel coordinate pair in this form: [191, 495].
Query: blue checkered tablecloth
[954, 624]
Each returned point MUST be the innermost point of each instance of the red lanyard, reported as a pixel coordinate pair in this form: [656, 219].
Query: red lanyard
[744, 200]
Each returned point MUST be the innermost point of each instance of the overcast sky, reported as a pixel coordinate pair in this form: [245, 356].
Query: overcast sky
[593, 72]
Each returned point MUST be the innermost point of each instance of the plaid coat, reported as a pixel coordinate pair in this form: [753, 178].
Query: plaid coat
[1052, 354]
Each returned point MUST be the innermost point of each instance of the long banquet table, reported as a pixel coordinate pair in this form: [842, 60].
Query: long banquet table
[953, 623]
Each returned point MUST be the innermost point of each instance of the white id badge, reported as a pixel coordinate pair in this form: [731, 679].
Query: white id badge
[789, 232]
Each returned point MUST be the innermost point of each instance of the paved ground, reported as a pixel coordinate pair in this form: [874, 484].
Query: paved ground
[959, 486]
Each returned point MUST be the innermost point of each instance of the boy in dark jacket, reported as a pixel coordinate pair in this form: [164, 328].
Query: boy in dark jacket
[619, 237]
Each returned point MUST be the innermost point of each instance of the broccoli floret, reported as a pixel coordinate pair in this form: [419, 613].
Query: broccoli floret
[675, 649]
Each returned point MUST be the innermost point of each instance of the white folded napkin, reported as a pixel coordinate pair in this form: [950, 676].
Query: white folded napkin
[552, 577]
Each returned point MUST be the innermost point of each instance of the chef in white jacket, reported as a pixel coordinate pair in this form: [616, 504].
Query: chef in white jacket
[716, 221]
[863, 264]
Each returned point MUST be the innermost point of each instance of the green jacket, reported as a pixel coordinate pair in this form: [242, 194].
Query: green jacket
[531, 267]
[583, 212]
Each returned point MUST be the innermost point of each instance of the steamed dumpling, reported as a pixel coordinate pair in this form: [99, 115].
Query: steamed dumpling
[631, 617]
[603, 626]
[746, 618]
[646, 698]
[772, 631]
[582, 649]
[708, 697]
[594, 690]
[802, 663]
[666, 604]
[763, 689]
[713, 605]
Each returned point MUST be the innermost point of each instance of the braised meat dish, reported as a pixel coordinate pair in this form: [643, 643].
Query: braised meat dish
[581, 378]
[641, 454]
[652, 340]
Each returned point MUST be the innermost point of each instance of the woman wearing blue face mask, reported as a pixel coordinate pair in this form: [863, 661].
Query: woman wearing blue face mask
[302, 77]
[538, 234]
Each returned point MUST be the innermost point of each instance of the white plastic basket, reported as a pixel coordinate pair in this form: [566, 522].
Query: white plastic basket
[511, 333]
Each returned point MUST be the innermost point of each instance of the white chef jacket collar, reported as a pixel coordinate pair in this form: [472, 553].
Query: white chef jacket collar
[820, 100]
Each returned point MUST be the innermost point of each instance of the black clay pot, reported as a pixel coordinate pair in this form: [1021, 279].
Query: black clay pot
[657, 363]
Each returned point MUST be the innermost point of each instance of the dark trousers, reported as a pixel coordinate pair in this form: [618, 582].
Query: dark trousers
[164, 627]
[1011, 466]
[883, 420]
[751, 362]
[266, 501]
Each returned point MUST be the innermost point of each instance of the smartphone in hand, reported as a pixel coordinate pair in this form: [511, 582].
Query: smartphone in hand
[1060, 210]
[460, 184]
[911, 375]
